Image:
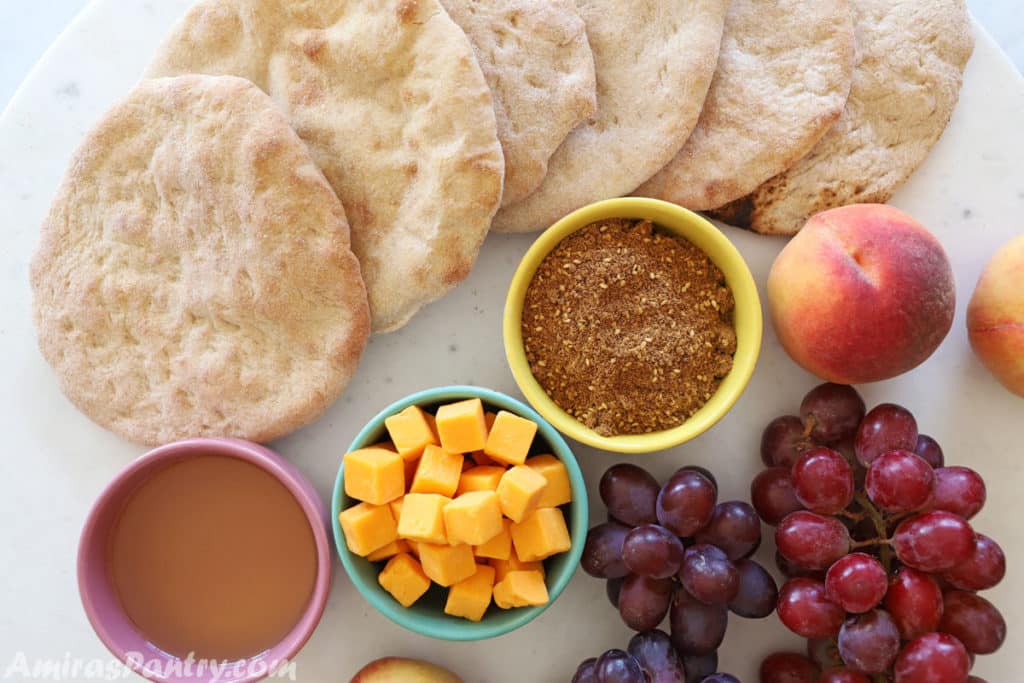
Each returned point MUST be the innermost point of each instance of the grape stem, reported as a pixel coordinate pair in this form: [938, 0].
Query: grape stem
[880, 528]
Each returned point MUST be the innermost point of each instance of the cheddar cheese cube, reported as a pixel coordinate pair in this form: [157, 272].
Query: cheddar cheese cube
[499, 547]
[558, 490]
[480, 478]
[386, 445]
[510, 438]
[404, 578]
[519, 491]
[540, 535]
[446, 565]
[513, 564]
[521, 589]
[410, 472]
[423, 518]
[471, 597]
[473, 518]
[367, 527]
[411, 431]
[374, 475]
[396, 507]
[480, 458]
[461, 426]
[438, 471]
[390, 550]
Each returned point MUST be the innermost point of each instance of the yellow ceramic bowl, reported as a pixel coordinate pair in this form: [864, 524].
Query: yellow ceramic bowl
[746, 318]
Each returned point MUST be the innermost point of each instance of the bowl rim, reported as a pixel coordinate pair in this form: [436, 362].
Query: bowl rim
[126, 481]
[683, 223]
[465, 630]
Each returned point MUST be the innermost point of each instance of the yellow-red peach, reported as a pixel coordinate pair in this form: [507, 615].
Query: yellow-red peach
[995, 316]
[863, 293]
[400, 670]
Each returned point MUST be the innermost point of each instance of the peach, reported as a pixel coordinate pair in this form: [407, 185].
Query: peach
[400, 670]
[861, 294]
[995, 316]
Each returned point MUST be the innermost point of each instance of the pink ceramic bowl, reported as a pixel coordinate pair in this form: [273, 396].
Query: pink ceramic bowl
[102, 606]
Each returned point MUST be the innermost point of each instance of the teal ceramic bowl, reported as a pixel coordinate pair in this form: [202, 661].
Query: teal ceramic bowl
[427, 616]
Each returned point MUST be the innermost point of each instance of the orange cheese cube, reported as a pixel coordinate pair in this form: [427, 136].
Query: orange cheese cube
[396, 507]
[414, 548]
[461, 426]
[519, 491]
[521, 589]
[481, 478]
[386, 445]
[510, 438]
[404, 578]
[471, 597]
[374, 475]
[513, 564]
[367, 527]
[480, 458]
[542, 534]
[446, 565]
[411, 431]
[499, 547]
[410, 472]
[390, 550]
[473, 518]
[423, 518]
[438, 472]
[558, 490]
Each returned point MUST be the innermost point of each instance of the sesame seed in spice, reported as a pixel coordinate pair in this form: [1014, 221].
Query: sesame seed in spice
[628, 329]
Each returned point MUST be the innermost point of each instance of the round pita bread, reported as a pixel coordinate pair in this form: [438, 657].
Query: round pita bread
[538, 64]
[910, 62]
[783, 76]
[194, 276]
[654, 61]
[392, 103]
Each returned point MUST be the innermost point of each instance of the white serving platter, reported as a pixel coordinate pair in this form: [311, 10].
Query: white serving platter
[970, 192]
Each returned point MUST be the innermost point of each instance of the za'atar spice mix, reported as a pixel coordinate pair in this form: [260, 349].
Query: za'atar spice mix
[628, 329]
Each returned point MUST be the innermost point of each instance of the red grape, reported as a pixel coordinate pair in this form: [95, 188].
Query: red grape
[795, 571]
[930, 450]
[686, 502]
[699, 667]
[857, 583]
[612, 589]
[783, 440]
[788, 667]
[734, 527]
[974, 621]
[705, 471]
[617, 666]
[982, 570]
[643, 602]
[959, 490]
[823, 481]
[708, 575]
[886, 427]
[869, 642]
[721, 678]
[914, 601]
[652, 550]
[602, 552]
[773, 495]
[805, 610]
[585, 672]
[900, 481]
[843, 676]
[824, 652]
[757, 592]
[629, 493]
[697, 628]
[654, 651]
[812, 541]
[934, 541]
[933, 658]
[834, 411]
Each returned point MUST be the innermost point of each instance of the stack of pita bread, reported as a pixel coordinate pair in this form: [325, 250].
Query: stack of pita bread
[296, 174]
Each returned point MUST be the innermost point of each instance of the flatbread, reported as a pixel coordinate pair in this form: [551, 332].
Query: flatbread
[538, 64]
[782, 80]
[194, 276]
[910, 62]
[390, 98]
[654, 61]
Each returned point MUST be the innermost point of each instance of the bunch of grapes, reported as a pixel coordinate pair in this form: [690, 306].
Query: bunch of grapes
[673, 550]
[872, 532]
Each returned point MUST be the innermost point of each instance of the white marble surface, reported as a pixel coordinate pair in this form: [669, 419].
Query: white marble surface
[970, 192]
